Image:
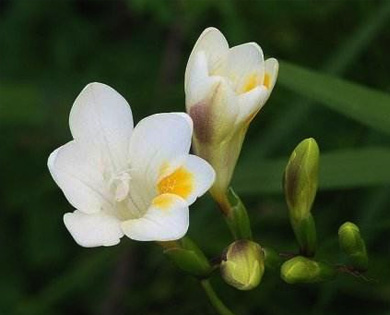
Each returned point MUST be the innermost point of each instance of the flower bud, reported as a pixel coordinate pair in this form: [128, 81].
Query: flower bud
[243, 265]
[353, 245]
[187, 256]
[300, 187]
[301, 178]
[225, 88]
[304, 270]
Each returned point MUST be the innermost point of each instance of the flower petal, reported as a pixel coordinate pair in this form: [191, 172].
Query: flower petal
[167, 219]
[78, 172]
[92, 230]
[214, 45]
[101, 117]
[204, 176]
[189, 181]
[245, 67]
[199, 85]
[271, 70]
[159, 141]
[251, 102]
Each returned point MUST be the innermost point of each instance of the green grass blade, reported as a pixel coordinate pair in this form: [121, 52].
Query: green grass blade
[338, 62]
[365, 105]
[338, 170]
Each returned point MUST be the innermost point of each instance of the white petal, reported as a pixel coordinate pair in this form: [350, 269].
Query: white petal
[79, 174]
[200, 86]
[158, 141]
[92, 230]
[203, 176]
[166, 219]
[101, 117]
[271, 69]
[214, 45]
[251, 102]
[245, 66]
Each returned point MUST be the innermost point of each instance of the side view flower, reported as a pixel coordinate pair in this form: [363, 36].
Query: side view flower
[121, 180]
[225, 88]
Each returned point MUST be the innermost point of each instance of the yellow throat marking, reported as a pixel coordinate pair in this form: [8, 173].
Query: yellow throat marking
[250, 83]
[180, 182]
[267, 81]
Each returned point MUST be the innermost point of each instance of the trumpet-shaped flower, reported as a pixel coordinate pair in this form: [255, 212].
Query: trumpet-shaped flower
[225, 88]
[128, 181]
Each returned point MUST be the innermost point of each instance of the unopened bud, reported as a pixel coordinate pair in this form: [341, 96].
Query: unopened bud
[353, 245]
[300, 187]
[243, 265]
[301, 178]
[304, 270]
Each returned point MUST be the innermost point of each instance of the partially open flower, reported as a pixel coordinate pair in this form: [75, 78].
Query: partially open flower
[128, 181]
[225, 88]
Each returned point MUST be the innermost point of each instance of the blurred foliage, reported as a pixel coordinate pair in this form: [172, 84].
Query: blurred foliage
[50, 49]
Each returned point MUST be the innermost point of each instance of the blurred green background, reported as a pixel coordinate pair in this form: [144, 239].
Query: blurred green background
[49, 50]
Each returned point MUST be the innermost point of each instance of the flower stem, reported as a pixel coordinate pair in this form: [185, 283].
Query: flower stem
[215, 301]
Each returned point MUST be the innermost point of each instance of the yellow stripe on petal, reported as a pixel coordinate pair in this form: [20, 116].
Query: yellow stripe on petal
[267, 81]
[250, 83]
[180, 182]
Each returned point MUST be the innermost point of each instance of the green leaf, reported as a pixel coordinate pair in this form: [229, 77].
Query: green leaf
[338, 170]
[365, 105]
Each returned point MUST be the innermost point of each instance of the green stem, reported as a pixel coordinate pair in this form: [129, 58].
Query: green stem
[215, 301]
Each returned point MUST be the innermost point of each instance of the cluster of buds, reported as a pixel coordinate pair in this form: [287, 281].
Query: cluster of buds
[300, 187]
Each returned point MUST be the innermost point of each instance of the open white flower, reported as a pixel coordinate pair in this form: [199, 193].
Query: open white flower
[128, 181]
[225, 88]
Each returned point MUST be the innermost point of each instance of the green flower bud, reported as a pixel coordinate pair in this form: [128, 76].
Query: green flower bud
[301, 178]
[353, 245]
[243, 265]
[304, 270]
[300, 186]
[187, 256]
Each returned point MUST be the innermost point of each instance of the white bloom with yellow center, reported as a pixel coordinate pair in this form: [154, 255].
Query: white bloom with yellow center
[225, 88]
[128, 181]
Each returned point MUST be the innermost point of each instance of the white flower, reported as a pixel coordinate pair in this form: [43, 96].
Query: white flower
[225, 88]
[128, 181]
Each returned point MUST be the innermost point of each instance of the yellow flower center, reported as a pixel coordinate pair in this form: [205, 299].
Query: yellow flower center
[180, 182]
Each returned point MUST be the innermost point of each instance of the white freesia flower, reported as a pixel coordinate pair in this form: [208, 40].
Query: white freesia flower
[128, 181]
[225, 88]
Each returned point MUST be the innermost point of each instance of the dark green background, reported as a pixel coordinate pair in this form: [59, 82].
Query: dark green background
[49, 50]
